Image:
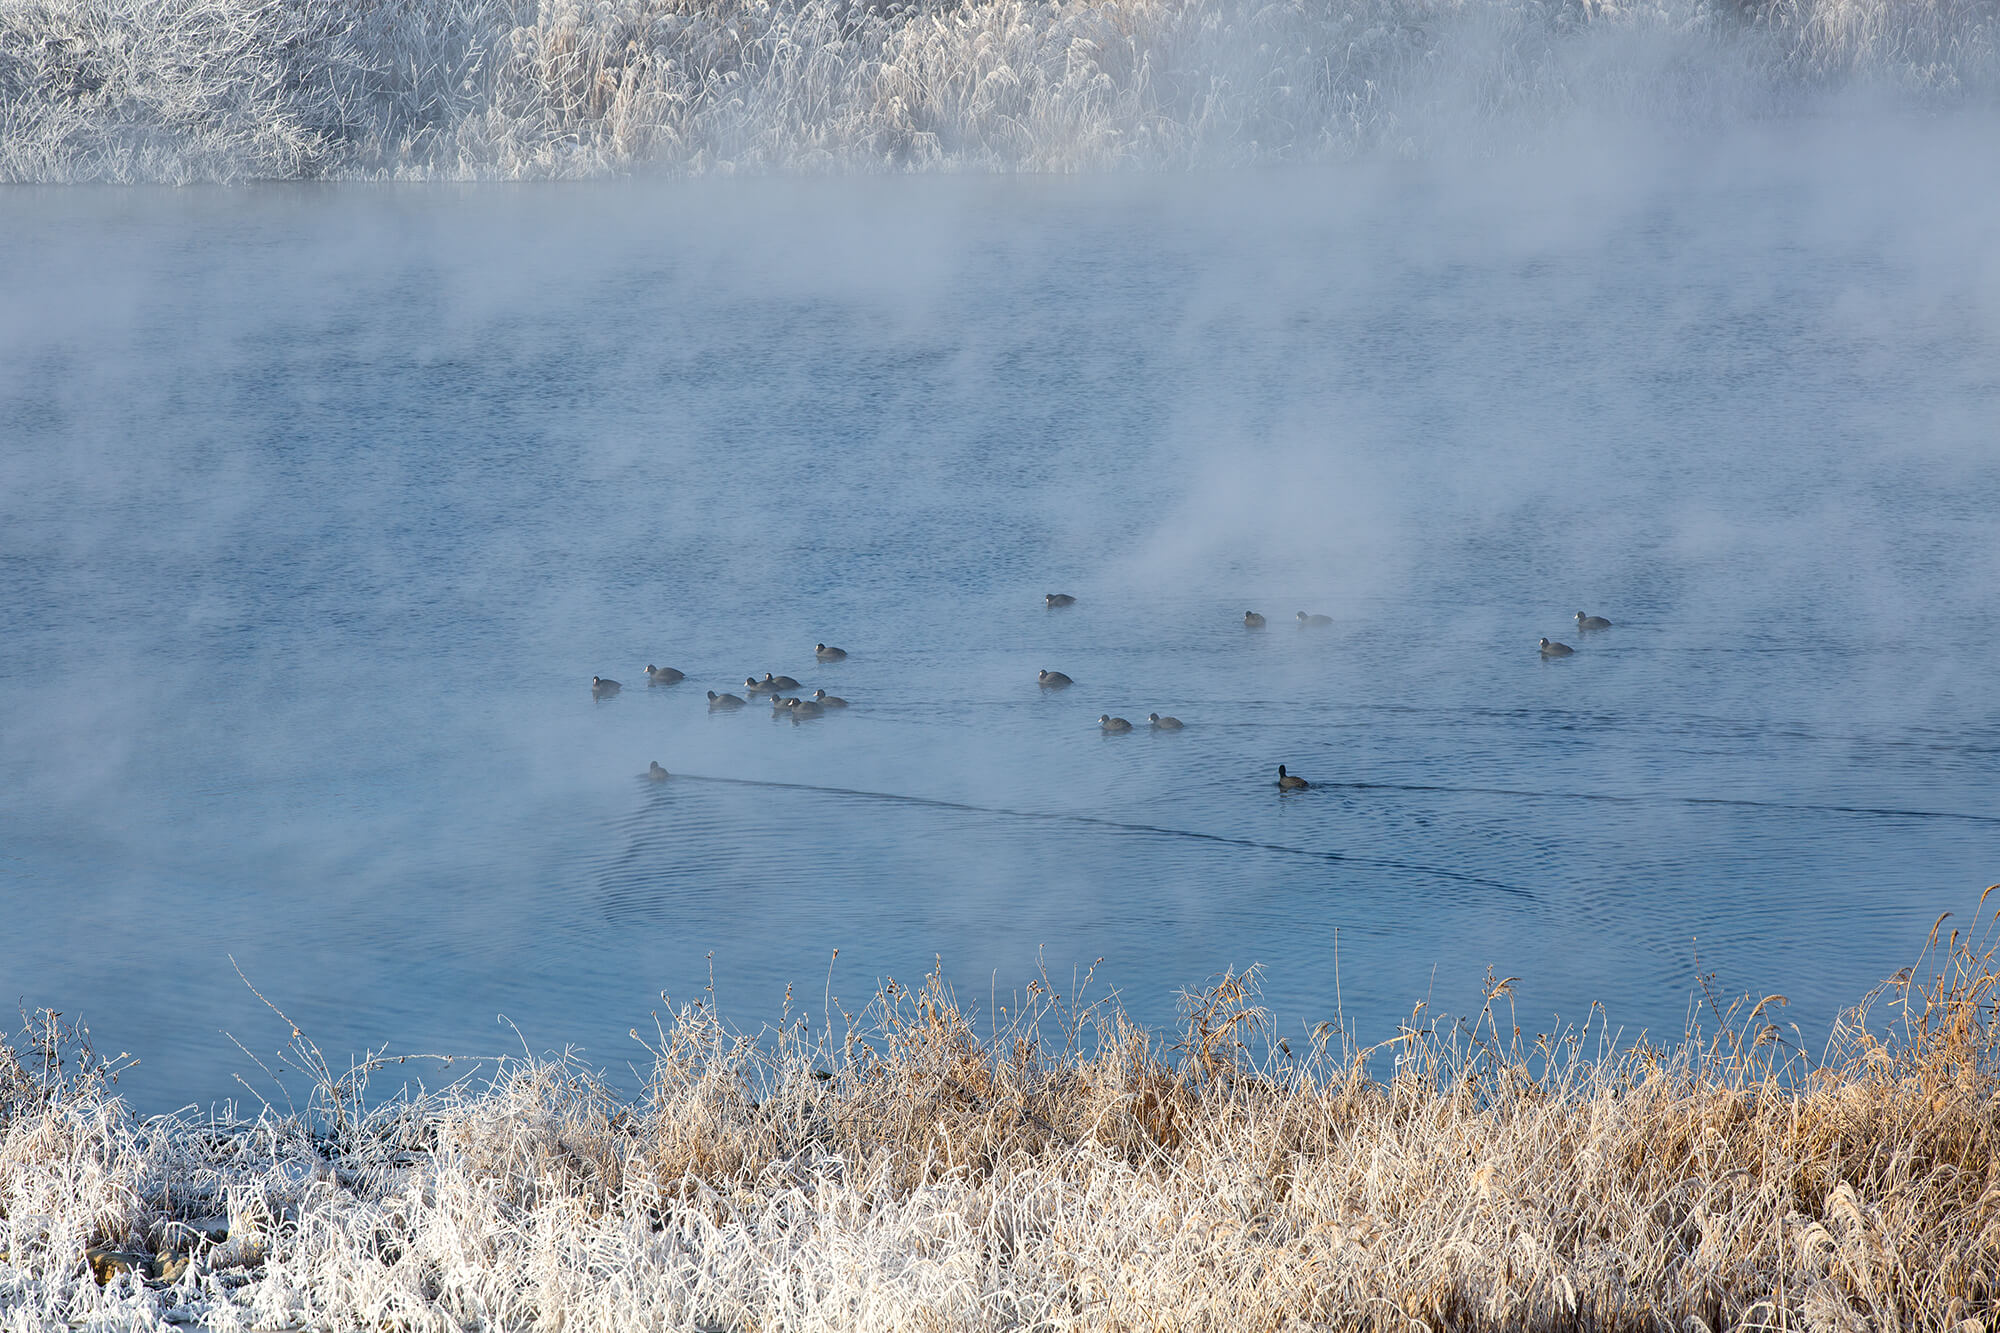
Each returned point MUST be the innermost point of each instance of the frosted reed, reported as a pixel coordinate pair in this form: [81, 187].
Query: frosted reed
[199, 90]
[896, 1169]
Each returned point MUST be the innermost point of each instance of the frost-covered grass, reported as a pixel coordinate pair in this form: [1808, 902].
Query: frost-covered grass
[186, 90]
[895, 1169]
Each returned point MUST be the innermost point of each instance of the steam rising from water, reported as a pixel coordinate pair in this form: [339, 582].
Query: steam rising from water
[320, 507]
[189, 90]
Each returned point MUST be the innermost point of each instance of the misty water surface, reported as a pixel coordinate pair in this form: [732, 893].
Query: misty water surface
[319, 508]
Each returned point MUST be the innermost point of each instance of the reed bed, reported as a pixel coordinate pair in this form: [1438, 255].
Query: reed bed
[895, 1169]
[219, 90]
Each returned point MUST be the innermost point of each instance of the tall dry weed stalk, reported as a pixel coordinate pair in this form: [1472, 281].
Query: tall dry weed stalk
[191, 90]
[897, 1168]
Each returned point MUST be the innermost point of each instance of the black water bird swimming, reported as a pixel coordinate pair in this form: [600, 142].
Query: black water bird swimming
[771, 682]
[1113, 724]
[657, 675]
[1164, 723]
[1055, 680]
[1290, 781]
[825, 700]
[1550, 649]
[1251, 620]
[656, 773]
[826, 654]
[722, 701]
[1591, 622]
[1314, 621]
[1060, 599]
[600, 688]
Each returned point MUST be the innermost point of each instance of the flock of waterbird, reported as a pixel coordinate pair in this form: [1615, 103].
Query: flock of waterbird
[819, 701]
[1587, 624]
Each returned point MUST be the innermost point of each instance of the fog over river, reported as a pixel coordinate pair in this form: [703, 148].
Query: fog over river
[320, 506]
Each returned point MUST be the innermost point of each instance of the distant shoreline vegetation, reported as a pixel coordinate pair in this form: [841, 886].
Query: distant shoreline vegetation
[895, 1169]
[225, 90]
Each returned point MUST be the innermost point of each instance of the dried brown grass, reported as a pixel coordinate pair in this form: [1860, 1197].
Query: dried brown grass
[898, 1169]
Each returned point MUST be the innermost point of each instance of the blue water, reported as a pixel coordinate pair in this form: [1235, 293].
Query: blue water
[320, 507]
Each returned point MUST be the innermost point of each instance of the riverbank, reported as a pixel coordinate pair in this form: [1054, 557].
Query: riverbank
[232, 90]
[898, 1169]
